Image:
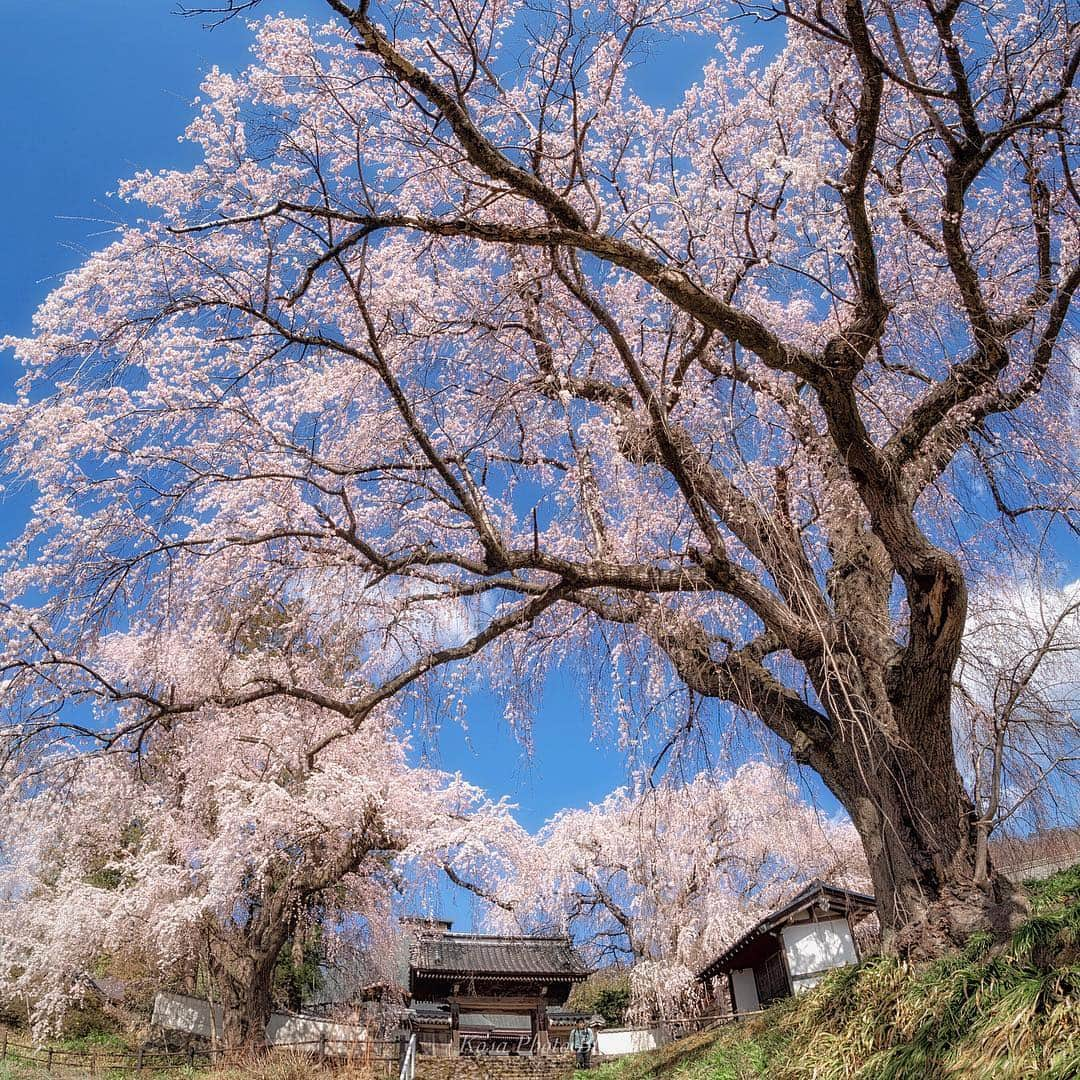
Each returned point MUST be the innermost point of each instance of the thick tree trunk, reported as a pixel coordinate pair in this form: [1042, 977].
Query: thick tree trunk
[920, 833]
[246, 1008]
[245, 995]
[884, 745]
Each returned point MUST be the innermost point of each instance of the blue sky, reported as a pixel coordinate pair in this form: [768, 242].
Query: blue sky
[97, 91]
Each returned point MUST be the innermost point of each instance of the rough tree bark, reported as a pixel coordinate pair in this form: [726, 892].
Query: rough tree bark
[245, 987]
[242, 956]
[244, 953]
[919, 832]
[894, 770]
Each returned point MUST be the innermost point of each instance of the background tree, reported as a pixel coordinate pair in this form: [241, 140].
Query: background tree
[221, 845]
[604, 993]
[512, 366]
[1018, 707]
[298, 973]
[658, 881]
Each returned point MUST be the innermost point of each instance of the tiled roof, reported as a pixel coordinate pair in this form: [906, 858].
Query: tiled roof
[829, 897]
[475, 954]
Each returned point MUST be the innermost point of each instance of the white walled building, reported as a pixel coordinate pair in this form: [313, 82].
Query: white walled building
[788, 951]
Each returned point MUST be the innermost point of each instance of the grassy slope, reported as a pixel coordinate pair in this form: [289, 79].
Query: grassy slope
[998, 1014]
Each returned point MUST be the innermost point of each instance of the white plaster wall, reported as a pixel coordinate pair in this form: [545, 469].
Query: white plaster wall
[181, 1012]
[614, 1042]
[746, 999]
[284, 1028]
[813, 948]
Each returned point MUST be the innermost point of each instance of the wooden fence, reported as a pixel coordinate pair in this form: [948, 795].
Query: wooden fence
[381, 1058]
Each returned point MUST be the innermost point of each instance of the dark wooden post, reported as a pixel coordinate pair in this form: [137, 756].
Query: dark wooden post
[540, 1025]
[3, 1047]
[455, 1028]
[854, 939]
[139, 1059]
[784, 961]
[322, 1047]
[48, 1060]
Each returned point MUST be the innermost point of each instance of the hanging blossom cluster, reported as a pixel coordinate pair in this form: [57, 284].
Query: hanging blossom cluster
[221, 837]
[661, 879]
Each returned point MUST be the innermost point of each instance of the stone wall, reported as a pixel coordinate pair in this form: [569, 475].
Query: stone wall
[559, 1067]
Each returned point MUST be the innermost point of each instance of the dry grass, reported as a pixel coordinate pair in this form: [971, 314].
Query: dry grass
[286, 1065]
[277, 1065]
[986, 1013]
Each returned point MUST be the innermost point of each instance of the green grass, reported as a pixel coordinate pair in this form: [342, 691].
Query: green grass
[72, 1058]
[101, 1042]
[984, 1013]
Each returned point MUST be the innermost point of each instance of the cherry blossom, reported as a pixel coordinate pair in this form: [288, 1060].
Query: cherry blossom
[223, 842]
[661, 879]
[476, 363]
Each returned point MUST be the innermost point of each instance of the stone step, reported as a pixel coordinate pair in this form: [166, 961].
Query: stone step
[495, 1068]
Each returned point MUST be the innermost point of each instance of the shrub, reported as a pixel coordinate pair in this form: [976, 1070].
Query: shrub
[606, 993]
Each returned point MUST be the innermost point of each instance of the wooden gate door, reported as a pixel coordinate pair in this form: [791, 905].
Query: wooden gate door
[771, 980]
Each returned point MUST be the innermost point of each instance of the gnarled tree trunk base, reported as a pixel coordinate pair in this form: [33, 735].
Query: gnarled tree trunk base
[959, 910]
[933, 881]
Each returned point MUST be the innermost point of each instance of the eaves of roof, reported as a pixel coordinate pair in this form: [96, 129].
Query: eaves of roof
[838, 900]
